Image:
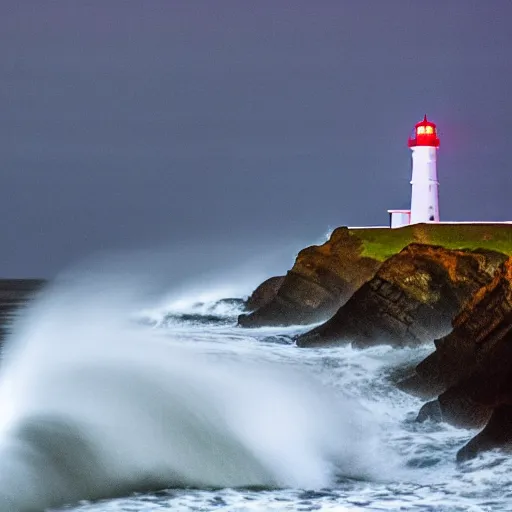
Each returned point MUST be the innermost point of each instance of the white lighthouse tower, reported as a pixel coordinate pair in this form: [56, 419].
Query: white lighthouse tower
[425, 186]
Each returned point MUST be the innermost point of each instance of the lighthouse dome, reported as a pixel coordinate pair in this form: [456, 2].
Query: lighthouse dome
[424, 134]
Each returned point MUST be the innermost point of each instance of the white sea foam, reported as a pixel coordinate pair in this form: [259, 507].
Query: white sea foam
[93, 406]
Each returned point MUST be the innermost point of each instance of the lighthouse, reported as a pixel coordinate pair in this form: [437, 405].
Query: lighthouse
[424, 143]
[425, 186]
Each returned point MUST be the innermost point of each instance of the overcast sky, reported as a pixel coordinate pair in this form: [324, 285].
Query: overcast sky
[126, 124]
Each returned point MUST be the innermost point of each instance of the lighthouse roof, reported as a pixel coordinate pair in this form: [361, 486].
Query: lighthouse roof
[424, 134]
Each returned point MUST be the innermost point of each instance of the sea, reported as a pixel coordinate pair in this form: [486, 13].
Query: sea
[113, 403]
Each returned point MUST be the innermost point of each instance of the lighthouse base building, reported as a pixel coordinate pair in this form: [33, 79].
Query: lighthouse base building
[424, 144]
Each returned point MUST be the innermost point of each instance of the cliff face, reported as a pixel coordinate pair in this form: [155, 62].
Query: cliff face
[480, 326]
[324, 277]
[321, 280]
[411, 299]
[471, 369]
[448, 282]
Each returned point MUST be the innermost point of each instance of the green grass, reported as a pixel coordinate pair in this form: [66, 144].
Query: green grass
[381, 243]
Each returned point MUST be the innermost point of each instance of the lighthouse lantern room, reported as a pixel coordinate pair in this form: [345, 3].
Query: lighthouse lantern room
[424, 143]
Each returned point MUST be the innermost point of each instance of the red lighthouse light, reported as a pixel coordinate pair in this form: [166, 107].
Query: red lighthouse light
[425, 134]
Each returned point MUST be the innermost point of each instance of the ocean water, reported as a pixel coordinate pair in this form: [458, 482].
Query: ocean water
[106, 405]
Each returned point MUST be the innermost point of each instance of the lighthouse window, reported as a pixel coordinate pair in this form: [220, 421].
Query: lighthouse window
[429, 130]
[420, 130]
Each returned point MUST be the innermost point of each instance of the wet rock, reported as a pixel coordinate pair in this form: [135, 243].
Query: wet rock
[402, 370]
[321, 280]
[476, 355]
[471, 369]
[459, 409]
[427, 380]
[264, 293]
[496, 434]
[478, 332]
[419, 387]
[412, 299]
[430, 411]
[471, 401]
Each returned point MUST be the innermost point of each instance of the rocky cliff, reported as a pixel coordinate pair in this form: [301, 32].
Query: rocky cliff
[412, 298]
[445, 282]
[470, 371]
[321, 280]
[324, 277]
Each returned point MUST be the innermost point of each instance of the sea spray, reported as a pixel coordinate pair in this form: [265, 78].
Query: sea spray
[94, 405]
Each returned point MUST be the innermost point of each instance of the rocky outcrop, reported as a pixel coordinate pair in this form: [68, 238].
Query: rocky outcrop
[480, 331]
[471, 368]
[14, 293]
[264, 293]
[412, 299]
[321, 280]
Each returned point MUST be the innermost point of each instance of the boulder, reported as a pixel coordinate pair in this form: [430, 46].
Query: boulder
[321, 280]
[412, 299]
[264, 293]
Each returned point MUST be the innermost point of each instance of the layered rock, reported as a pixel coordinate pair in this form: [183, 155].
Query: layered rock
[412, 299]
[471, 369]
[14, 293]
[477, 332]
[321, 280]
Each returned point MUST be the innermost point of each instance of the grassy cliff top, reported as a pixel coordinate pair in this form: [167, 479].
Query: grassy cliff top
[381, 243]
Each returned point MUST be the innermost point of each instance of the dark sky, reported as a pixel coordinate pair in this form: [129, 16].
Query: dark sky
[132, 123]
